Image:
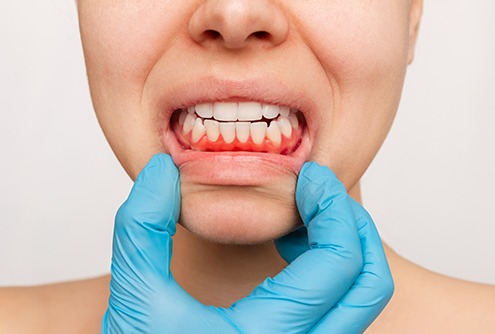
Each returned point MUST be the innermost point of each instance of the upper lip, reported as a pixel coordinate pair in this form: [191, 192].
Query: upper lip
[212, 89]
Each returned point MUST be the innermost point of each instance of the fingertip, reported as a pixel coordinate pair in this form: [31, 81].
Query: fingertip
[162, 164]
[316, 174]
[309, 168]
[315, 185]
[155, 196]
[162, 158]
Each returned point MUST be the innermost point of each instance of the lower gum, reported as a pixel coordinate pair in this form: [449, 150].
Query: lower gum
[287, 146]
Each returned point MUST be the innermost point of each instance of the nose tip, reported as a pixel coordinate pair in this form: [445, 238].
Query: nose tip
[234, 24]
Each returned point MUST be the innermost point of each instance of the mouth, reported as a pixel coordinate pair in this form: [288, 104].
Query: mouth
[237, 143]
[238, 127]
[228, 138]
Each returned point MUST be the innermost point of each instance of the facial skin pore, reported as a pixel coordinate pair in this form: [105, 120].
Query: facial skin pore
[340, 63]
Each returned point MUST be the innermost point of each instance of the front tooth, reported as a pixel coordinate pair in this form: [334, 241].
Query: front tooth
[258, 132]
[190, 110]
[270, 111]
[189, 123]
[294, 122]
[225, 111]
[273, 133]
[212, 131]
[198, 130]
[228, 132]
[284, 111]
[242, 131]
[249, 111]
[204, 110]
[285, 126]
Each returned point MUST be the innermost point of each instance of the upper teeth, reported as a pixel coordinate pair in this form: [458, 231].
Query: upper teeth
[239, 120]
[238, 111]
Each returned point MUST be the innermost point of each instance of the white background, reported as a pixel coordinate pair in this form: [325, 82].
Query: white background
[430, 189]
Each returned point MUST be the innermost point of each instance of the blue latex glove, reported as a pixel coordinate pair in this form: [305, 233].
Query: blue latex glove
[321, 290]
[320, 195]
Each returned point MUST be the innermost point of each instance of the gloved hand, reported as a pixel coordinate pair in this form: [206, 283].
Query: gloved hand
[320, 195]
[144, 297]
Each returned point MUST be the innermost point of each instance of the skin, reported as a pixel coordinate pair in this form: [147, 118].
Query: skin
[347, 62]
[353, 94]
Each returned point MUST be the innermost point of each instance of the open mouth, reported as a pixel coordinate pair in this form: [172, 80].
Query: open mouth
[239, 126]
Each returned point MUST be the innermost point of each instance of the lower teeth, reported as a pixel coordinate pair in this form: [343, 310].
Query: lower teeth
[280, 135]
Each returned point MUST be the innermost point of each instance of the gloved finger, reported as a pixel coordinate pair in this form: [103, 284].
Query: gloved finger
[293, 244]
[145, 298]
[295, 299]
[325, 209]
[370, 293]
[145, 223]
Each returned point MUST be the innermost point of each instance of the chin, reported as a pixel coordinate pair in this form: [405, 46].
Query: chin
[238, 215]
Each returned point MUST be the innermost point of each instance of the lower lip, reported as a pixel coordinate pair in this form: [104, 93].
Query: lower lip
[240, 168]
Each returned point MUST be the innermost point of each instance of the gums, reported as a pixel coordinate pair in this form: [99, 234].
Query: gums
[286, 146]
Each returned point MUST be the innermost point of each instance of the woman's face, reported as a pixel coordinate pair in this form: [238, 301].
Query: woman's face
[242, 92]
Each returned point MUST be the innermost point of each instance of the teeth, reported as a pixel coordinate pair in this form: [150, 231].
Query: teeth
[285, 126]
[284, 111]
[242, 131]
[294, 122]
[182, 117]
[228, 132]
[189, 123]
[225, 111]
[273, 133]
[242, 111]
[198, 120]
[249, 111]
[270, 111]
[258, 132]
[212, 130]
[204, 110]
[198, 130]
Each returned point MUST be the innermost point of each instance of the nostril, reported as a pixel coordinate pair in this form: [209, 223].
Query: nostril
[237, 24]
[212, 34]
[261, 34]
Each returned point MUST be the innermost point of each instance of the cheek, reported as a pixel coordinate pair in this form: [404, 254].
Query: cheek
[119, 58]
[118, 48]
[362, 48]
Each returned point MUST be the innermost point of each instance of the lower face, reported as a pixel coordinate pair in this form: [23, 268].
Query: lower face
[238, 110]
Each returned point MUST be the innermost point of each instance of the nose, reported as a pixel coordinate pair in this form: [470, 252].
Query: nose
[234, 24]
